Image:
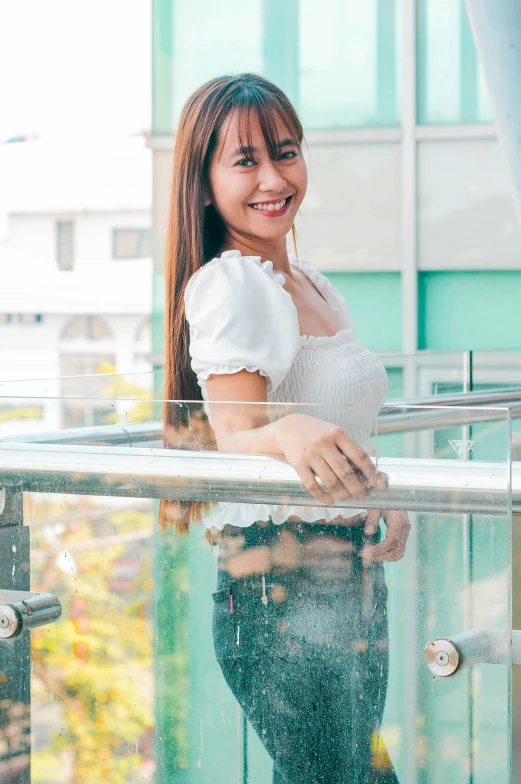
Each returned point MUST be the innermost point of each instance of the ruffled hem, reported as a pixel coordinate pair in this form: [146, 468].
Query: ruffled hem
[244, 515]
[266, 266]
[326, 289]
[333, 298]
[330, 340]
[220, 370]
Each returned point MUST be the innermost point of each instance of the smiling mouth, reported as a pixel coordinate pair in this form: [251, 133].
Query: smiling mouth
[272, 209]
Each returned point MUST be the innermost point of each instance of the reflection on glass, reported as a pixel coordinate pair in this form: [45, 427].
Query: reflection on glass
[258, 649]
[92, 682]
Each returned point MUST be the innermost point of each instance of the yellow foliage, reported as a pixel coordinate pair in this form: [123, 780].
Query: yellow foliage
[20, 412]
[99, 672]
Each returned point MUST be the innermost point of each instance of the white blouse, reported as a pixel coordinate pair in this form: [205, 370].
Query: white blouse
[241, 317]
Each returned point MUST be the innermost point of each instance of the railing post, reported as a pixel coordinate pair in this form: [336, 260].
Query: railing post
[15, 655]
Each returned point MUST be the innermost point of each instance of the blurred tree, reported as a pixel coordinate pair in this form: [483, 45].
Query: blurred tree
[121, 386]
[96, 662]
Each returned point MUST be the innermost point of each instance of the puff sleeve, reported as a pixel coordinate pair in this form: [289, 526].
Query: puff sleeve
[241, 318]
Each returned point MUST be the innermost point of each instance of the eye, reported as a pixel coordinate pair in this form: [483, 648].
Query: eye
[287, 156]
[245, 162]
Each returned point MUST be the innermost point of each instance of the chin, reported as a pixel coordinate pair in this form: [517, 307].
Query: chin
[274, 232]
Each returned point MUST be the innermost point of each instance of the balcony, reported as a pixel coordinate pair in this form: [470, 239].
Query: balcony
[126, 685]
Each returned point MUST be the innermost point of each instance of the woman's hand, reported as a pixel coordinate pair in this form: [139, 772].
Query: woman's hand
[392, 547]
[318, 449]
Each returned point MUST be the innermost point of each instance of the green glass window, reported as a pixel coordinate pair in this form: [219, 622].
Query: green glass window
[338, 60]
[451, 86]
[65, 245]
[349, 63]
[210, 41]
[131, 244]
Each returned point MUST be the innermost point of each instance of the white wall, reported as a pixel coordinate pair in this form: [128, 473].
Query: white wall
[119, 291]
[31, 238]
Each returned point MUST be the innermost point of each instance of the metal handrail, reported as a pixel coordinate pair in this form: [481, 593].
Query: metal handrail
[490, 397]
[453, 486]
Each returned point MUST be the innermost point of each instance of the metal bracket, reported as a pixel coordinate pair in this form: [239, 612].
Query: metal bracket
[21, 610]
[446, 657]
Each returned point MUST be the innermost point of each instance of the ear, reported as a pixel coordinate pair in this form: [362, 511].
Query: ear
[207, 198]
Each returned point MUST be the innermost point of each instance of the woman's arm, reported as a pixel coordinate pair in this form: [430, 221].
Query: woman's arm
[313, 447]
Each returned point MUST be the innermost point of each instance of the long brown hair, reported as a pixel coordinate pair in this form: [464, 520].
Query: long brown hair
[196, 232]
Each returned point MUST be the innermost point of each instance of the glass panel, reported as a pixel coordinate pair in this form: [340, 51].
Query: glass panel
[268, 639]
[131, 243]
[351, 78]
[451, 87]
[208, 43]
[466, 213]
[32, 407]
[495, 369]
[65, 245]
[426, 374]
[501, 370]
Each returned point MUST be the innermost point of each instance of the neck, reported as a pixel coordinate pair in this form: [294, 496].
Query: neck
[274, 251]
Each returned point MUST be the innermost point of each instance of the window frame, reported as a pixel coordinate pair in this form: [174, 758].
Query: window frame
[59, 260]
[144, 233]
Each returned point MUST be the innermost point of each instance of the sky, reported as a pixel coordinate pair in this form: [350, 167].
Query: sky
[75, 68]
[76, 75]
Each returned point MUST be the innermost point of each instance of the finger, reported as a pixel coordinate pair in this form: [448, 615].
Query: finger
[392, 548]
[382, 552]
[372, 521]
[398, 527]
[360, 459]
[333, 484]
[308, 479]
[346, 474]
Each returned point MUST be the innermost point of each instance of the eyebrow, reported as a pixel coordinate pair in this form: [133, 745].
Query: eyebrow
[250, 150]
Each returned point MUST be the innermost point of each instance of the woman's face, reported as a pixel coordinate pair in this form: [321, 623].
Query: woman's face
[257, 197]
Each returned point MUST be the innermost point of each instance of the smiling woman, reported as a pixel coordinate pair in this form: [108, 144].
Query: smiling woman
[248, 323]
[265, 172]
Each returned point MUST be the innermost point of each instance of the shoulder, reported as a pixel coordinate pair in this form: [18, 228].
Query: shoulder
[249, 289]
[236, 276]
[241, 317]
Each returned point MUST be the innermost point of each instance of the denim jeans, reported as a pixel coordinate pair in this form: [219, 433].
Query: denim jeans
[300, 633]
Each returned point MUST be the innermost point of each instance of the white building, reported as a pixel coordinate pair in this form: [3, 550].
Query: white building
[75, 267]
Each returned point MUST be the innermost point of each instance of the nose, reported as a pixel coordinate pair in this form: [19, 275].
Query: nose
[270, 178]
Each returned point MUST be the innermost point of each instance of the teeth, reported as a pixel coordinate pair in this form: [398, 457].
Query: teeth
[278, 206]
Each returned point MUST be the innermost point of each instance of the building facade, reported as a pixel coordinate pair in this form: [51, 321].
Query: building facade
[409, 208]
[75, 263]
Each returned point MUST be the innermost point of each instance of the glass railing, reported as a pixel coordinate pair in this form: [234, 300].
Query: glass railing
[266, 641]
[429, 373]
[422, 374]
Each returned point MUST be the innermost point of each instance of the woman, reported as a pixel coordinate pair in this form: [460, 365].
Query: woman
[299, 624]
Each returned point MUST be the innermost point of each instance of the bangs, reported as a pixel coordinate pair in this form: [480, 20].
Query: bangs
[256, 102]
